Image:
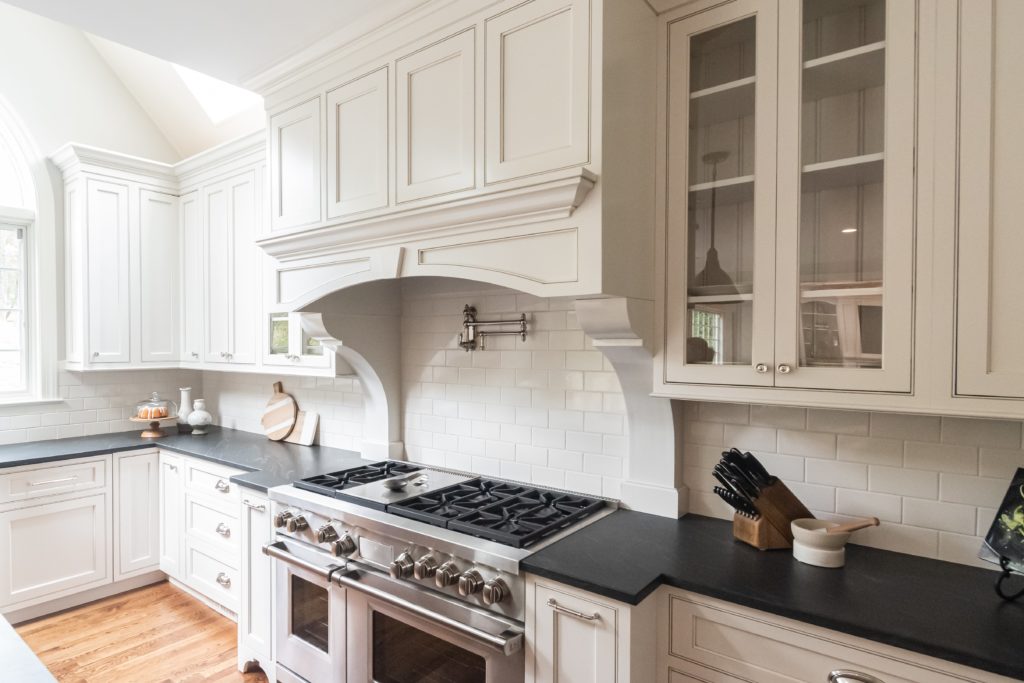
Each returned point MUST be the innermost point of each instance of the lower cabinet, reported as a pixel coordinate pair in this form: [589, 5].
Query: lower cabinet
[255, 616]
[136, 513]
[172, 514]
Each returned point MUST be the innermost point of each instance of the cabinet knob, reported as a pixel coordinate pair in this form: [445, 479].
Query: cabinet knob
[785, 369]
[224, 580]
[847, 676]
[762, 368]
[195, 355]
[95, 354]
[223, 529]
[221, 486]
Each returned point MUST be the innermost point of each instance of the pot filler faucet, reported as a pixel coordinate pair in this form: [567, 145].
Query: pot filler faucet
[469, 335]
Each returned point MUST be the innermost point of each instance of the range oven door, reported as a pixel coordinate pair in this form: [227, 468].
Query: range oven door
[310, 615]
[401, 633]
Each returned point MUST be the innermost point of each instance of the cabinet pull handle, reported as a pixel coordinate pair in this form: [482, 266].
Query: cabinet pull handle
[224, 580]
[847, 676]
[221, 486]
[552, 603]
[223, 529]
[761, 368]
[172, 468]
[52, 481]
[195, 355]
[785, 369]
[253, 506]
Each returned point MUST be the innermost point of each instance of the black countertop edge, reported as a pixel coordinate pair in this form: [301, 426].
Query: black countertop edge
[935, 608]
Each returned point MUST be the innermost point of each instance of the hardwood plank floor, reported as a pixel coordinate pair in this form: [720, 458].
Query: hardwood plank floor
[155, 634]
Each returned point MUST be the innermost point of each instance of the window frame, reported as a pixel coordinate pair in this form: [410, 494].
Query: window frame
[24, 220]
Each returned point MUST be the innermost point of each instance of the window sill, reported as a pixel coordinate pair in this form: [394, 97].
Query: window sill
[28, 401]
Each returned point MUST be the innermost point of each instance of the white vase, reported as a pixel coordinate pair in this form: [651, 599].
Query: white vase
[184, 409]
[199, 418]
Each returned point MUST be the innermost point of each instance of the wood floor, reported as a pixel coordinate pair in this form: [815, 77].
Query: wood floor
[149, 635]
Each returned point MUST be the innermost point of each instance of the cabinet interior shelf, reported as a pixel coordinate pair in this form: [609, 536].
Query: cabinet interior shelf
[851, 171]
[719, 298]
[818, 10]
[844, 72]
[726, 102]
[727, 191]
[840, 290]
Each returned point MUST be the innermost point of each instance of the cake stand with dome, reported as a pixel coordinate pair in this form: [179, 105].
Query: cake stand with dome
[153, 411]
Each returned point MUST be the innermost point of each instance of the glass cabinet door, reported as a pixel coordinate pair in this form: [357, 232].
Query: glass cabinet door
[845, 217]
[720, 194]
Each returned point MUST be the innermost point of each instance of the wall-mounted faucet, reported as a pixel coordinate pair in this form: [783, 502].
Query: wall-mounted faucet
[469, 335]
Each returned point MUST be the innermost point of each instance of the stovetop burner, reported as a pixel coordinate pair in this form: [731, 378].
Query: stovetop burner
[330, 484]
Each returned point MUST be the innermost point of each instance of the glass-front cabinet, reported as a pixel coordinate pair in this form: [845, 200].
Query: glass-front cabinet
[789, 192]
[286, 343]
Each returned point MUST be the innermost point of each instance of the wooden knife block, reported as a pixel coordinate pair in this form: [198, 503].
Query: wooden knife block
[778, 507]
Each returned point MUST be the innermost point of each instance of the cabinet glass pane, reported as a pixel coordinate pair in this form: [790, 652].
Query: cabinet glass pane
[721, 193]
[279, 334]
[842, 153]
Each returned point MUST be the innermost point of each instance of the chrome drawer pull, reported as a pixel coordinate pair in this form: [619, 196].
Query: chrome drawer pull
[223, 530]
[52, 481]
[224, 580]
[847, 676]
[552, 603]
[253, 506]
[221, 486]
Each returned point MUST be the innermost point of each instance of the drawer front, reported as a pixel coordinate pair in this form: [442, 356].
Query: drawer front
[211, 480]
[79, 475]
[732, 641]
[692, 673]
[208, 574]
[214, 523]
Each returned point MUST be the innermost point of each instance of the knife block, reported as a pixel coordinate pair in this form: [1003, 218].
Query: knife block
[778, 507]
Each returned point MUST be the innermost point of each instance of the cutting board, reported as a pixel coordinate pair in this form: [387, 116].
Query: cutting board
[305, 428]
[279, 415]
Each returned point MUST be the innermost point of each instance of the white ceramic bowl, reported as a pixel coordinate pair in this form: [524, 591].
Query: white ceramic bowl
[811, 532]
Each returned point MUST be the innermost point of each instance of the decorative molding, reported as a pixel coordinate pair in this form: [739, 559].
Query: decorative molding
[317, 278]
[238, 150]
[560, 265]
[547, 200]
[73, 158]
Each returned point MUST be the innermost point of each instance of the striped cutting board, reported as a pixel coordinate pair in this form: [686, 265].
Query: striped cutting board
[279, 415]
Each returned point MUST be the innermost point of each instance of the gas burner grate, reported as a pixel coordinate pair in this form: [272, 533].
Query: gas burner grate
[440, 506]
[330, 484]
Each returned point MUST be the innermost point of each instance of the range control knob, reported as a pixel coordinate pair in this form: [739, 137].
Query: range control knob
[470, 582]
[281, 518]
[401, 567]
[326, 534]
[495, 591]
[297, 523]
[447, 575]
[425, 568]
[345, 545]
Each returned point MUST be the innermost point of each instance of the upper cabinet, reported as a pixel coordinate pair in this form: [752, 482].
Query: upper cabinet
[295, 151]
[788, 189]
[357, 145]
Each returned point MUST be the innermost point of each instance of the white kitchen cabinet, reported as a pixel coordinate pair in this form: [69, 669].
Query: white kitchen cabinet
[989, 241]
[193, 280]
[255, 617]
[137, 537]
[295, 169]
[159, 277]
[537, 88]
[789, 196]
[436, 118]
[357, 145]
[172, 514]
[286, 344]
[108, 284]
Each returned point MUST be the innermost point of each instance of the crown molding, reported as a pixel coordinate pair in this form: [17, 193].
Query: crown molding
[73, 158]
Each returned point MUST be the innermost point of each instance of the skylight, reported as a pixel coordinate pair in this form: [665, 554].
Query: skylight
[218, 99]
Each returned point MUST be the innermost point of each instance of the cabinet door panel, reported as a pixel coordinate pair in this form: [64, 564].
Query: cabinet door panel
[254, 615]
[158, 276]
[436, 118]
[571, 649]
[137, 511]
[538, 88]
[219, 248]
[172, 515]
[357, 145]
[193, 289]
[720, 195]
[54, 548]
[245, 286]
[295, 166]
[990, 241]
[846, 189]
[109, 277]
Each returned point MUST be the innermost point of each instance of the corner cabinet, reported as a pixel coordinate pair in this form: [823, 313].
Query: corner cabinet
[787, 187]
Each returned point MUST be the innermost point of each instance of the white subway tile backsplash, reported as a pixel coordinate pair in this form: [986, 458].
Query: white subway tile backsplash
[778, 416]
[725, 412]
[994, 462]
[941, 457]
[838, 421]
[750, 438]
[808, 444]
[978, 491]
[933, 514]
[971, 432]
[815, 497]
[916, 427]
[886, 507]
[849, 475]
[871, 450]
[915, 483]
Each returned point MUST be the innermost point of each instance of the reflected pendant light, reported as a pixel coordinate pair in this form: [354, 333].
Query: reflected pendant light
[713, 275]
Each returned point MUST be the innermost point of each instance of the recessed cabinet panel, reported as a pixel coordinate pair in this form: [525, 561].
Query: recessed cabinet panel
[990, 280]
[295, 166]
[538, 88]
[357, 145]
[193, 287]
[245, 298]
[109, 275]
[172, 515]
[575, 639]
[137, 497]
[436, 118]
[217, 258]
[158, 276]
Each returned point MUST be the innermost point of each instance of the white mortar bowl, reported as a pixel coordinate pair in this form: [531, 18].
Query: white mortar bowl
[812, 545]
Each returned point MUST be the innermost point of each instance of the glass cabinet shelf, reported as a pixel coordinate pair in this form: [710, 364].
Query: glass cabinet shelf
[849, 71]
[727, 191]
[860, 170]
[721, 103]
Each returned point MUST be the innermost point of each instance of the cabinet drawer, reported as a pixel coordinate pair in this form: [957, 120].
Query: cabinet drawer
[692, 673]
[215, 523]
[212, 480]
[739, 642]
[81, 475]
[207, 573]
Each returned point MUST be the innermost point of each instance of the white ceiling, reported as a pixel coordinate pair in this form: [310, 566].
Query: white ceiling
[233, 40]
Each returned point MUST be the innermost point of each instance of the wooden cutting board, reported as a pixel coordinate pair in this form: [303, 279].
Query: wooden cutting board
[279, 415]
[305, 428]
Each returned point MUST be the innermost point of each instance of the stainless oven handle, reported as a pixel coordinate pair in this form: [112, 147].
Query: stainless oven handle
[279, 551]
[508, 642]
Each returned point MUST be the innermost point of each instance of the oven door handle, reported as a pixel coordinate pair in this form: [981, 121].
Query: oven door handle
[507, 642]
[279, 551]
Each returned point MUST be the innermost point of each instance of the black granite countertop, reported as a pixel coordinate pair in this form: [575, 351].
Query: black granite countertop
[936, 608]
[268, 463]
[19, 662]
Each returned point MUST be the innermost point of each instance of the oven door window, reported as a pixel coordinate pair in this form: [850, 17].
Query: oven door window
[405, 654]
[309, 613]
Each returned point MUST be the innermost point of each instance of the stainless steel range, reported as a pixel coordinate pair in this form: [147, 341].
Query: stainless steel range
[398, 573]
